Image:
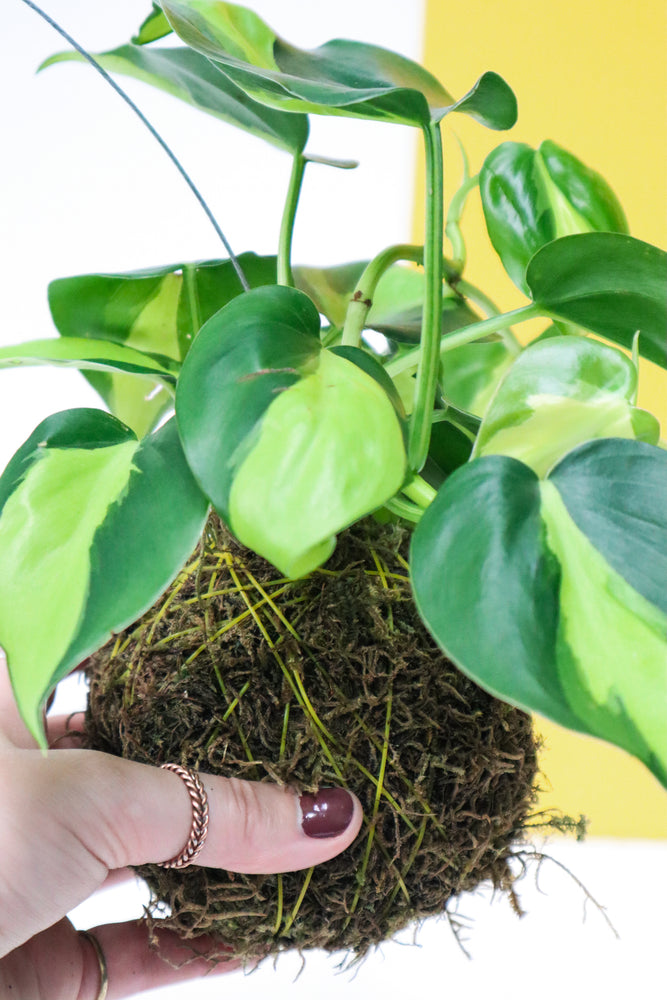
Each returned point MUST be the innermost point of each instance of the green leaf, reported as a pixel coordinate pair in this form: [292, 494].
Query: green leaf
[550, 594]
[93, 526]
[585, 194]
[338, 78]
[559, 393]
[470, 374]
[449, 448]
[531, 197]
[194, 79]
[290, 442]
[609, 283]
[153, 27]
[156, 311]
[85, 353]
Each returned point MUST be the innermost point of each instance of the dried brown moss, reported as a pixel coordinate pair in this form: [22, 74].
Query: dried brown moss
[331, 680]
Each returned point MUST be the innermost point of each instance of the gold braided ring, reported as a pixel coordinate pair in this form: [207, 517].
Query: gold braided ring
[199, 826]
[104, 975]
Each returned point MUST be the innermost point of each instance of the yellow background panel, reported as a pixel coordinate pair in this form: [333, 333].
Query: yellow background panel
[591, 76]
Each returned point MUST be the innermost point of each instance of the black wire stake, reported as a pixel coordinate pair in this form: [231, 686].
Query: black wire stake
[156, 135]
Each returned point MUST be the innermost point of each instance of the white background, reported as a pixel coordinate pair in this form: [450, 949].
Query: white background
[84, 188]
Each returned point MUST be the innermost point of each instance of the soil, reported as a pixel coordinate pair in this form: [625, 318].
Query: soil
[328, 680]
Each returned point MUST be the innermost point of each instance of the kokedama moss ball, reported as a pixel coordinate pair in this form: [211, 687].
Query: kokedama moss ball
[329, 680]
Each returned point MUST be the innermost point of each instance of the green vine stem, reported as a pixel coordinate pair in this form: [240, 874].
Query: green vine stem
[419, 491]
[452, 226]
[481, 299]
[285, 276]
[427, 369]
[362, 297]
[411, 360]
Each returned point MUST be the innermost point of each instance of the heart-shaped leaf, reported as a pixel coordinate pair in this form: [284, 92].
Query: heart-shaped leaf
[609, 283]
[290, 442]
[93, 526]
[533, 196]
[340, 77]
[194, 79]
[156, 311]
[559, 393]
[552, 594]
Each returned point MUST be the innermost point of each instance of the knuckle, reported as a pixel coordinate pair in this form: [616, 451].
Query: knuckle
[246, 811]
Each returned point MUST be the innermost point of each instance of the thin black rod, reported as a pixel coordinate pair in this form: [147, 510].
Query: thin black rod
[128, 100]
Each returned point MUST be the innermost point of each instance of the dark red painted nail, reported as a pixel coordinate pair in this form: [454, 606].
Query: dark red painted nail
[326, 814]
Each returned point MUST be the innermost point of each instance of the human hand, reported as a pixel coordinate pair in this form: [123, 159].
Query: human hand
[71, 817]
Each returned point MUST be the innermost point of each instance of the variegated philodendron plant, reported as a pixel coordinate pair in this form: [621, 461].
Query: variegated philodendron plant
[536, 488]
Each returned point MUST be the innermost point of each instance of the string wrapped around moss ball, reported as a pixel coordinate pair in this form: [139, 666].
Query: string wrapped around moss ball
[328, 680]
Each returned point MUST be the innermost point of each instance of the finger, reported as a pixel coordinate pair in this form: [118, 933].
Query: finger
[62, 963]
[66, 732]
[129, 814]
[134, 965]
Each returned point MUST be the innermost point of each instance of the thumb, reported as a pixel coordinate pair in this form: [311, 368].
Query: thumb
[129, 814]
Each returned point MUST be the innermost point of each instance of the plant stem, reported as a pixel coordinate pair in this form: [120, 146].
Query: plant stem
[419, 491]
[285, 276]
[481, 299]
[190, 282]
[494, 324]
[427, 370]
[362, 297]
[453, 226]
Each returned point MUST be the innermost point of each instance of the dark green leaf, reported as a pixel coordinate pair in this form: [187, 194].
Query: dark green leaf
[550, 595]
[487, 588]
[609, 283]
[628, 529]
[531, 197]
[340, 77]
[450, 447]
[197, 81]
[585, 190]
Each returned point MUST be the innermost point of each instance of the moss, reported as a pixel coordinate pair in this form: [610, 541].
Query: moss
[328, 680]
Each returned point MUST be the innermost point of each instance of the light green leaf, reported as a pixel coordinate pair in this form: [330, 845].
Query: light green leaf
[611, 648]
[559, 393]
[86, 353]
[308, 474]
[93, 527]
[153, 27]
[290, 441]
[469, 374]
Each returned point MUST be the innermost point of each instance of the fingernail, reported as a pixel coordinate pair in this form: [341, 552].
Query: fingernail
[326, 814]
